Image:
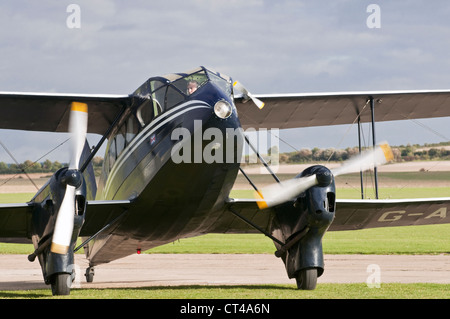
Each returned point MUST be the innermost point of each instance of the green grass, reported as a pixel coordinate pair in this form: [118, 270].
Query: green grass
[394, 193]
[7, 198]
[411, 240]
[323, 291]
[383, 193]
[430, 239]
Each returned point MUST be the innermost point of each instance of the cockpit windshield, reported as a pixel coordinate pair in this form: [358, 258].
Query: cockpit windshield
[164, 92]
[191, 81]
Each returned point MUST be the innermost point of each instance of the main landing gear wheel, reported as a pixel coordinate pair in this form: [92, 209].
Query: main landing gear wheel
[61, 284]
[307, 279]
[89, 274]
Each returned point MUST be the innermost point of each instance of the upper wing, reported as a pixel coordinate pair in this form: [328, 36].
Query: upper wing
[50, 112]
[350, 214]
[302, 110]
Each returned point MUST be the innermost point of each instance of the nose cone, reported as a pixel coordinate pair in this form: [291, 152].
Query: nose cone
[324, 177]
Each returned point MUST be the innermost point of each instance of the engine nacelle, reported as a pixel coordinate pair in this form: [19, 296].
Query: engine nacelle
[301, 224]
[47, 203]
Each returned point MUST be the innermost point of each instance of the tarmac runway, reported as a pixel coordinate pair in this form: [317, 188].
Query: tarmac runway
[17, 273]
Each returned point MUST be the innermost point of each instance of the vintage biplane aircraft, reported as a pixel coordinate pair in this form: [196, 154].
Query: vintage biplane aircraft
[144, 198]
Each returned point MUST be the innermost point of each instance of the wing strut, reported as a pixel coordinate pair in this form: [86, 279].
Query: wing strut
[255, 226]
[248, 179]
[361, 177]
[374, 142]
[18, 165]
[83, 244]
[261, 159]
[371, 101]
[284, 246]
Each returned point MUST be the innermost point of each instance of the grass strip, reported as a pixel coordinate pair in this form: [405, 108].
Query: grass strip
[323, 291]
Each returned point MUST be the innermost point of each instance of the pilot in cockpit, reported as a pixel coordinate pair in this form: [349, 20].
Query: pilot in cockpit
[192, 87]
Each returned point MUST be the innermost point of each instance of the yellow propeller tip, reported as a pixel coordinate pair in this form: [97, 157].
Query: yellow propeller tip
[387, 152]
[59, 249]
[262, 204]
[78, 106]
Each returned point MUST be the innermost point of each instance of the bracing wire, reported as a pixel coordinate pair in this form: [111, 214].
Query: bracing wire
[23, 170]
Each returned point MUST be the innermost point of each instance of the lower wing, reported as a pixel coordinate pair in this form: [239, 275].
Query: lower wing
[244, 216]
[16, 219]
[240, 214]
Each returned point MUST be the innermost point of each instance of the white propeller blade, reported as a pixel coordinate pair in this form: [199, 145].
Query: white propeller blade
[378, 156]
[64, 223]
[240, 87]
[77, 129]
[62, 234]
[281, 192]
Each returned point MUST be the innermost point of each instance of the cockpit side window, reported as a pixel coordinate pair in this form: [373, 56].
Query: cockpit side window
[173, 97]
[158, 90]
[224, 84]
[145, 112]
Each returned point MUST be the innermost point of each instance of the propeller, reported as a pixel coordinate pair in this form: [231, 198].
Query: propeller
[248, 95]
[64, 222]
[281, 192]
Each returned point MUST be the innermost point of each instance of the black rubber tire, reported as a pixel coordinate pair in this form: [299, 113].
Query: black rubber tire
[61, 284]
[89, 274]
[307, 279]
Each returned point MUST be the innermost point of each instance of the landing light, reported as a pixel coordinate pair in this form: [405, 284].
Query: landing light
[223, 109]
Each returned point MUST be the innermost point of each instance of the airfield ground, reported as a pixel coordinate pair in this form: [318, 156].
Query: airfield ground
[147, 270]
[19, 183]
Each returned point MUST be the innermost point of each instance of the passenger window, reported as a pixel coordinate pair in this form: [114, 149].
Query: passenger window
[120, 140]
[112, 154]
[132, 129]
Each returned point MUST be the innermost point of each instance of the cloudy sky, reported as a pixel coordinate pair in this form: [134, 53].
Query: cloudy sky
[270, 46]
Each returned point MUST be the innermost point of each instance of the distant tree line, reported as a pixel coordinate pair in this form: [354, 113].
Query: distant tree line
[45, 167]
[401, 153]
